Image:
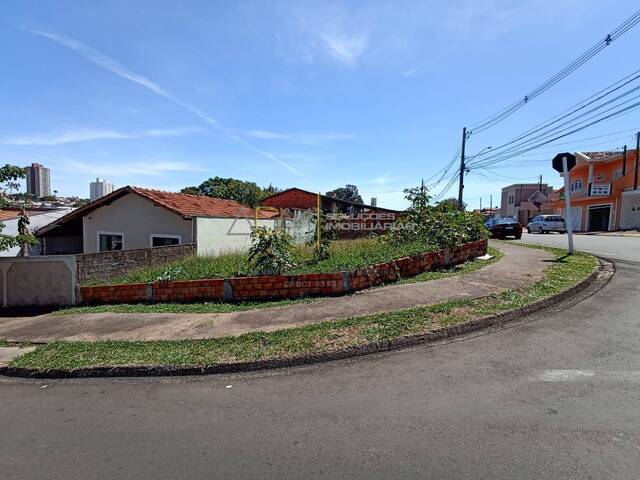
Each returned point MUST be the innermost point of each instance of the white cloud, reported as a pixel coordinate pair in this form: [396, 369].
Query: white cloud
[102, 60]
[302, 138]
[150, 167]
[88, 135]
[346, 48]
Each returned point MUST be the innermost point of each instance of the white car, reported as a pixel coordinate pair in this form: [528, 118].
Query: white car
[546, 224]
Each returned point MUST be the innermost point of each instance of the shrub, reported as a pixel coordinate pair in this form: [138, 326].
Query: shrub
[440, 225]
[271, 251]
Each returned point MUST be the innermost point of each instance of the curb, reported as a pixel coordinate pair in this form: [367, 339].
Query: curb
[282, 362]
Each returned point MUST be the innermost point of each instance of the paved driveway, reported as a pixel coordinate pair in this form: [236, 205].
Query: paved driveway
[555, 397]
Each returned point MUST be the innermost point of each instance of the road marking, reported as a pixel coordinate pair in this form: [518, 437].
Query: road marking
[565, 375]
[576, 375]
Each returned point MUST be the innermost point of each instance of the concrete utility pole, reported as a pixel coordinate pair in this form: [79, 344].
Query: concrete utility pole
[624, 161]
[635, 176]
[567, 199]
[491, 204]
[480, 204]
[463, 167]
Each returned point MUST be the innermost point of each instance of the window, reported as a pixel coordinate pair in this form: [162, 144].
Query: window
[576, 186]
[163, 240]
[600, 177]
[109, 241]
[511, 199]
[617, 174]
[601, 189]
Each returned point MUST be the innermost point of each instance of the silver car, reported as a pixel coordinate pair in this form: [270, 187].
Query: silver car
[546, 224]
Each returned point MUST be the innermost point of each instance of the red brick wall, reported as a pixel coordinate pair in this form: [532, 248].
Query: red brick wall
[128, 293]
[188, 290]
[281, 286]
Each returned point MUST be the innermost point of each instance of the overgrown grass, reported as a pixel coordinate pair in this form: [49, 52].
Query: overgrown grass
[3, 342]
[562, 273]
[345, 255]
[225, 307]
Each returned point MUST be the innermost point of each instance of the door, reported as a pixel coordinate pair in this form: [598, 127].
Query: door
[599, 218]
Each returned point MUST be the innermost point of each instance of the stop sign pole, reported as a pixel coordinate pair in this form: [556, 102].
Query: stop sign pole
[564, 162]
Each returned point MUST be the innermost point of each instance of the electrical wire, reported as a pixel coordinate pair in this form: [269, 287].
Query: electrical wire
[501, 115]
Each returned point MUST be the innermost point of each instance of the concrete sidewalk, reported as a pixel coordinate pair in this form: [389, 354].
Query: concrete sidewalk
[520, 267]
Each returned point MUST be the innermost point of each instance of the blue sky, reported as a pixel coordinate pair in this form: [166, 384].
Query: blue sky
[309, 94]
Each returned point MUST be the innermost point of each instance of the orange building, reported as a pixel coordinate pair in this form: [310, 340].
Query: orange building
[604, 192]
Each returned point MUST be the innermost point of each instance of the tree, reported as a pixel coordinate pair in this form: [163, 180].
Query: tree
[452, 202]
[247, 193]
[190, 191]
[348, 193]
[270, 190]
[9, 174]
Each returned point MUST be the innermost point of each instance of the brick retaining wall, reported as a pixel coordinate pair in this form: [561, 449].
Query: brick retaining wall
[282, 286]
[108, 265]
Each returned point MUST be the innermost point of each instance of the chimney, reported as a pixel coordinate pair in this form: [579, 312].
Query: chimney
[374, 201]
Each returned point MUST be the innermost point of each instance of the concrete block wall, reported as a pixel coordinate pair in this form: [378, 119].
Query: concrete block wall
[282, 286]
[38, 281]
[108, 265]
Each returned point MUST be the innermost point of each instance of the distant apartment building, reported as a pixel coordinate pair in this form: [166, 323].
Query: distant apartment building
[99, 189]
[519, 201]
[38, 180]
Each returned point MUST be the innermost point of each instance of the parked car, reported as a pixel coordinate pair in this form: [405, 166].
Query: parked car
[504, 227]
[546, 224]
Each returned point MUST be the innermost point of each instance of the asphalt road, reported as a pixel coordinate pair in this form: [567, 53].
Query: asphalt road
[623, 248]
[556, 396]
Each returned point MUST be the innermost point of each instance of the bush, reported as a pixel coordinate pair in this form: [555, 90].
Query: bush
[271, 251]
[440, 225]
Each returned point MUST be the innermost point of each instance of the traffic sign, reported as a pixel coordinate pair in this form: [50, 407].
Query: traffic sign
[557, 161]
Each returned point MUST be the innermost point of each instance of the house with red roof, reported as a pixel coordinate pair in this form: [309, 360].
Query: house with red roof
[133, 217]
[604, 192]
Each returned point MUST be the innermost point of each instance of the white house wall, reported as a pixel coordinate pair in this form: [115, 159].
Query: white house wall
[137, 218]
[217, 235]
[630, 210]
[36, 221]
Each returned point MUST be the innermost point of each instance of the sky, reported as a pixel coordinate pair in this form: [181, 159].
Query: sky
[315, 95]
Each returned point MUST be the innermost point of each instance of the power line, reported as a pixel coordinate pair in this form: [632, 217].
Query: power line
[569, 124]
[489, 122]
[572, 110]
[620, 112]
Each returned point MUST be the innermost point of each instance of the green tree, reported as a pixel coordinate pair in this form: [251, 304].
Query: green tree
[451, 203]
[9, 175]
[270, 190]
[348, 193]
[247, 193]
[191, 191]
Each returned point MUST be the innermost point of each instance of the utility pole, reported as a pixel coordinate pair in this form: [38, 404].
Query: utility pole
[462, 167]
[624, 161]
[635, 177]
[540, 190]
[480, 204]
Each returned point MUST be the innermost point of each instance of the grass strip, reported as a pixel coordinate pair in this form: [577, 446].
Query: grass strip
[226, 307]
[564, 272]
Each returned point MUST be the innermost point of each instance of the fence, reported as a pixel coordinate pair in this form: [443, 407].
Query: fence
[108, 265]
[38, 281]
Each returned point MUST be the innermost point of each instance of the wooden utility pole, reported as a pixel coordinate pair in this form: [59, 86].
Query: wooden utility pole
[463, 167]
